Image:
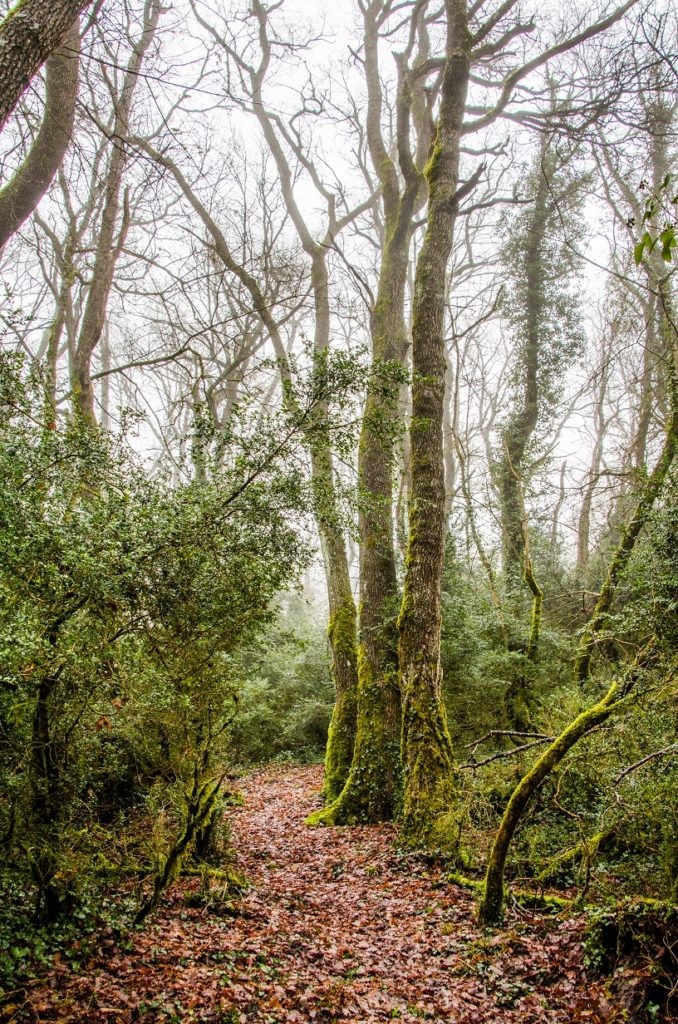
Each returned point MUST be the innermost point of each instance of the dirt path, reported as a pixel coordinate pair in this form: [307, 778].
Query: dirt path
[336, 927]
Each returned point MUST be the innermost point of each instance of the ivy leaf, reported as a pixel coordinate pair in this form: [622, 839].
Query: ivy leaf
[646, 242]
[651, 207]
[668, 242]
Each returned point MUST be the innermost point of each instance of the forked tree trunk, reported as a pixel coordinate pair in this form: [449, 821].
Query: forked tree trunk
[372, 790]
[342, 610]
[372, 786]
[429, 787]
[113, 227]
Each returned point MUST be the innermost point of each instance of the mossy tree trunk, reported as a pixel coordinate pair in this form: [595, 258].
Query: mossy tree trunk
[201, 801]
[660, 119]
[371, 792]
[29, 33]
[523, 420]
[371, 789]
[342, 637]
[429, 786]
[545, 323]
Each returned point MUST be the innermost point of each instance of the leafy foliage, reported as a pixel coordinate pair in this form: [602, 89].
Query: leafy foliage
[123, 604]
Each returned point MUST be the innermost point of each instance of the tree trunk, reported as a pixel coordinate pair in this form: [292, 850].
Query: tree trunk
[522, 423]
[429, 789]
[342, 636]
[111, 234]
[21, 195]
[600, 422]
[29, 33]
[372, 788]
[490, 909]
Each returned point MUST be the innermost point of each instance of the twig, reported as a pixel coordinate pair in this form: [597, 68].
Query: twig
[505, 732]
[508, 753]
[644, 760]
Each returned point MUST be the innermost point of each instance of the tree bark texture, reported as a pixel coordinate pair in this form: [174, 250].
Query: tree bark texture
[23, 192]
[429, 788]
[29, 33]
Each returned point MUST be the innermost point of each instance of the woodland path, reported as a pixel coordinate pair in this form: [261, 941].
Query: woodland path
[336, 926]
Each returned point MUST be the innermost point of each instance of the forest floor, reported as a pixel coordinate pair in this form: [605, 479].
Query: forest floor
[335, 926]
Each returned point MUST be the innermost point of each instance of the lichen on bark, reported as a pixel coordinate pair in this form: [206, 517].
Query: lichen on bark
[429, 813]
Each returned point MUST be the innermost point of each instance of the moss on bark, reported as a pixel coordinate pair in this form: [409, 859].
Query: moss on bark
[490, 909]
[372, 788]
[430, 818]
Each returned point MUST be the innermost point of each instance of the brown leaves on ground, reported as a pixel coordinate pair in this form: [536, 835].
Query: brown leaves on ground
[337, 926]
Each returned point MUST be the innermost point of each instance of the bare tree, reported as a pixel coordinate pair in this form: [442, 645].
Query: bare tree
[285, 144]
[113, 227]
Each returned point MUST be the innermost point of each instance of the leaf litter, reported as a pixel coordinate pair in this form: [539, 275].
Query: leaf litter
[337, 925]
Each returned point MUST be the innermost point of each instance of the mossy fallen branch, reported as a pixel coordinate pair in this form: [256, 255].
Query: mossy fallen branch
[207, 871]
[524, 897]
[616, 698]
[584, 852]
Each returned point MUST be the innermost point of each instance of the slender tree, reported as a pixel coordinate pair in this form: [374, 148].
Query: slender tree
[114, 224]
[290, 157]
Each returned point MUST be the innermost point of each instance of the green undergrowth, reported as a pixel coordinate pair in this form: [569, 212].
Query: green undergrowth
[28, 948]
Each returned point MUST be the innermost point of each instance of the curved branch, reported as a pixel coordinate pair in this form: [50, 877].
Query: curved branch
[23, 192]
